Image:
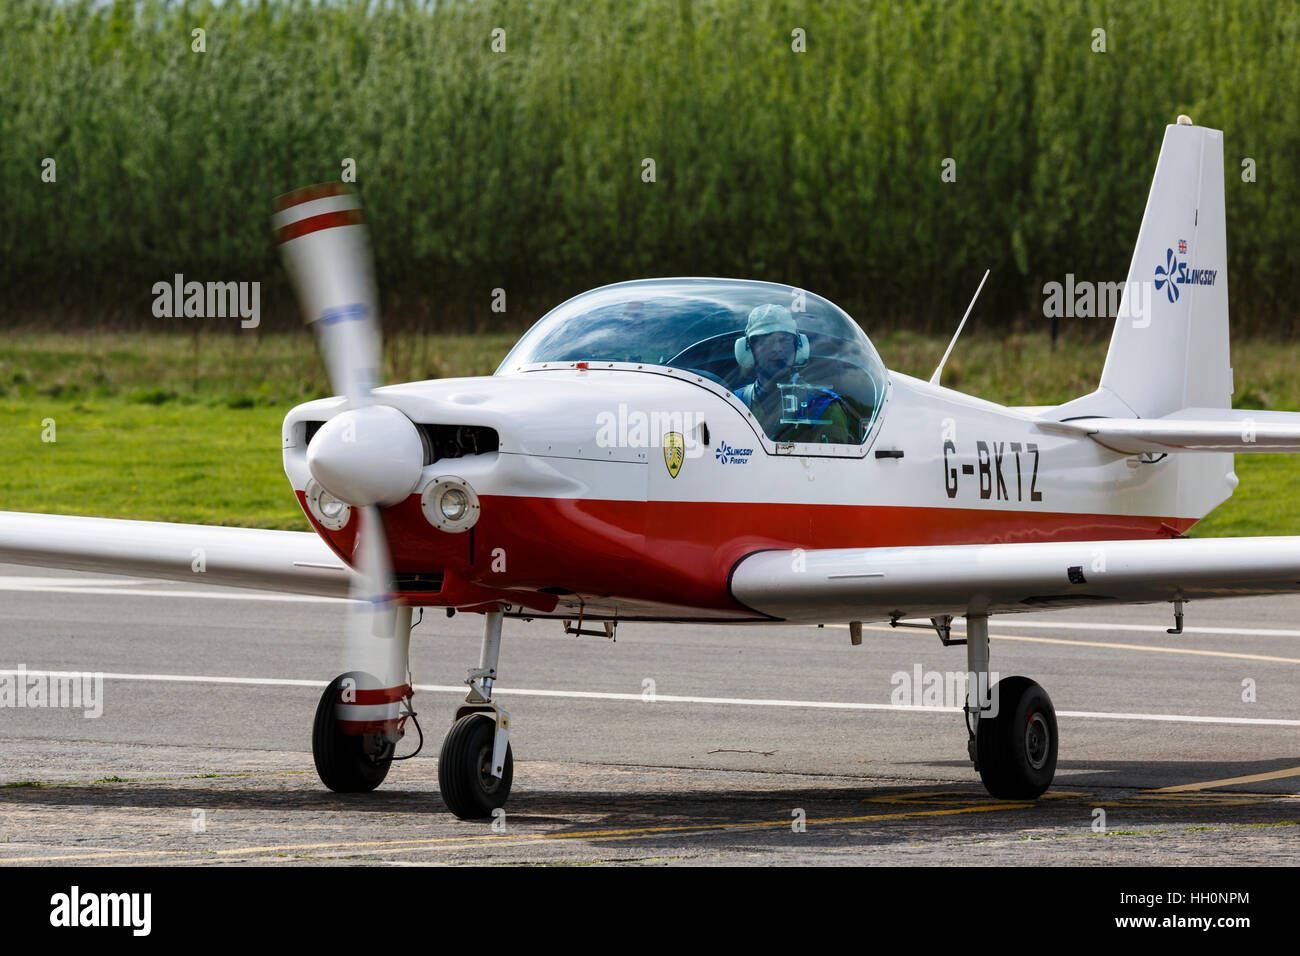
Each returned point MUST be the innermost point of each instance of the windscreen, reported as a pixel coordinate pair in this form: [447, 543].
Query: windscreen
[806, 370]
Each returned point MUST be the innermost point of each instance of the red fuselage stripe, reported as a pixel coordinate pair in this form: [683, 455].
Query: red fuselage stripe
[681, 553]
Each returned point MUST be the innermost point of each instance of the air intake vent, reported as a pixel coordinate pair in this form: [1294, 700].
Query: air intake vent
[417, 583]
[457, 441]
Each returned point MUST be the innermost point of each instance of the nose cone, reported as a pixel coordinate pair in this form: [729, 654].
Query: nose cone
[367, 456]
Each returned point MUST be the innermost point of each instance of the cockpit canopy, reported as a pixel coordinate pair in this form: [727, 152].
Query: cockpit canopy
[833, 395]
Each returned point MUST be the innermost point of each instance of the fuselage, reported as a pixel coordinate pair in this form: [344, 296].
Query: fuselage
[630, 490]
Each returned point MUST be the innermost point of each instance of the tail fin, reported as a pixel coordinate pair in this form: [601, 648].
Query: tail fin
[1169, 350]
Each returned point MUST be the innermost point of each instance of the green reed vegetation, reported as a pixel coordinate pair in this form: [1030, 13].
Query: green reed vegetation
[523, 169]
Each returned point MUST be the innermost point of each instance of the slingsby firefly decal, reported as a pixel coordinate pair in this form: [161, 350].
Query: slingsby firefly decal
[674, 452]
[992, 457]
[729, 454]
[1175, 273]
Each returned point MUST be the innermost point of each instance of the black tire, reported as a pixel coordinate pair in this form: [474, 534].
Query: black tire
[1016, 750]
[465, 772]
[346, 763]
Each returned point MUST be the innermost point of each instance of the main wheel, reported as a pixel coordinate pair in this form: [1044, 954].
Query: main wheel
[1016, 750]
[346, 763]
[465, 768]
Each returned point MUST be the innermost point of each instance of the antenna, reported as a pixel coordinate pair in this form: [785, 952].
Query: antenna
[934, 379]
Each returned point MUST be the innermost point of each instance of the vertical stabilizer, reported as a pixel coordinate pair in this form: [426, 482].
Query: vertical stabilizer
[1169, 349]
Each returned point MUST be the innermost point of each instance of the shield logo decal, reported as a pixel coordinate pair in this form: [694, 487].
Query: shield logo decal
[674, 452]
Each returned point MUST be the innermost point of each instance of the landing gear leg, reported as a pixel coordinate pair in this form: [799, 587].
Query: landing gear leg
[476, 766]
[977, 676]
[1013, 739]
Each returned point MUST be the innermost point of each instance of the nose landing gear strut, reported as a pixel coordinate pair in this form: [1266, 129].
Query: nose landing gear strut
[476, 765]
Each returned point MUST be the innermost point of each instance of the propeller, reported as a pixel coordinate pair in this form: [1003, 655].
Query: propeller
[369, 455]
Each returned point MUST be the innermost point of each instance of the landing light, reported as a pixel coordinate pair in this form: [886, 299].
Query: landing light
[325, 508]
[450, 504]
[453, 504]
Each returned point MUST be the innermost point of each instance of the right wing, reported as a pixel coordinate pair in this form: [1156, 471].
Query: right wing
[295, 561]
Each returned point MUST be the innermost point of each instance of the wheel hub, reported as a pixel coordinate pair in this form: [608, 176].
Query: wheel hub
[1037, 740]
[488, 782]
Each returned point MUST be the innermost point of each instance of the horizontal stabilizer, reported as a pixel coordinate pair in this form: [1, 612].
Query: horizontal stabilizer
[1193, 429]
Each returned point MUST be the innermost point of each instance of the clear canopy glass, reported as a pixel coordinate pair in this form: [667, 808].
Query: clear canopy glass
[832, 394]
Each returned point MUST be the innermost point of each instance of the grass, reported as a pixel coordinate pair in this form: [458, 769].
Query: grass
[153, 427]
[178, 428]
[162, 462]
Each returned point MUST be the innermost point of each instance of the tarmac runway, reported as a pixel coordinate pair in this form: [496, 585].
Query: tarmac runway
[673, 744]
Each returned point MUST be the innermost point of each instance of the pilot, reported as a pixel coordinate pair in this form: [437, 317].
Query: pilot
[787, 408]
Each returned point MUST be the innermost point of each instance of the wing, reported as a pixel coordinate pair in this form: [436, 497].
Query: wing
[1192, 429]
[876, 584]
[294, 561]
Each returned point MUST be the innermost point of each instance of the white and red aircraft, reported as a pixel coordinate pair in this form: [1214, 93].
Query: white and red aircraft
[731, 452]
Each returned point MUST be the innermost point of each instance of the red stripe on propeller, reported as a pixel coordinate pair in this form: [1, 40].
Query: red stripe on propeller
[308, 193]
[327, 220]
[385, 695]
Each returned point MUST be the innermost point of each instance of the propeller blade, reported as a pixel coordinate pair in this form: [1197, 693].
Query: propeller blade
[370, 630]
[325, 244]
[374, 654]
[369, 454]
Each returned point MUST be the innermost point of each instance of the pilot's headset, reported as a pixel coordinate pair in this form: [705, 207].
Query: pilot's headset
[763, 320]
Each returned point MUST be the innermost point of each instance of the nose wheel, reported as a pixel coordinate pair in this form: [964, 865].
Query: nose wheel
[465, 768]
[476, 765]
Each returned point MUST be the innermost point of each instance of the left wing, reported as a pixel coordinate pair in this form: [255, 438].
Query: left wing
[876, 584]
[295, 561]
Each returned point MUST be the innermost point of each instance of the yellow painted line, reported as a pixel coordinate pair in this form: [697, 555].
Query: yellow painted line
[1229, 781]
[698, 829]
[1148, 798]
[1164, 802]
[1119, 647]
[949, 796]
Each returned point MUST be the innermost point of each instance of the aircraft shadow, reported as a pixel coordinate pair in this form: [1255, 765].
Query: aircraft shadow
[684, 806]
[1147, 774]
